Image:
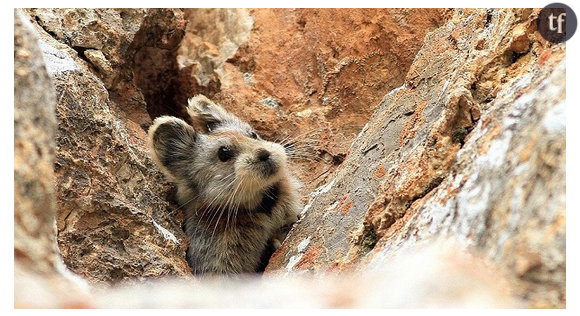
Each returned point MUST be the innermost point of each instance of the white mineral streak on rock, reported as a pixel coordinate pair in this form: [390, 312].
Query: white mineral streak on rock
[293, 261]
[296, 258]
[166, 234]
[555, 119]
[57, 62]
[303, 244]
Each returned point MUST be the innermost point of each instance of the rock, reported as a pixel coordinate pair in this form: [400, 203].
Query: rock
[204, 50]
[38, 267]
[154, 59]
[34, 130]
[114, 221]
[131, 51]
[152, 79]
[471, 147]
[449, 280]
[452, 195]
[335, 63]
[101, 36]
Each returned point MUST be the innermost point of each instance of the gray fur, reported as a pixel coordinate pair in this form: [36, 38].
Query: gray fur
[236, 210]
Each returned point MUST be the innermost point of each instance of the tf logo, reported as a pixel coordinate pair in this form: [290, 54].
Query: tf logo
[557, 22]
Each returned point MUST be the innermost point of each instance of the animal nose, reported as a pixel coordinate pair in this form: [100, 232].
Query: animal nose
[263, 154]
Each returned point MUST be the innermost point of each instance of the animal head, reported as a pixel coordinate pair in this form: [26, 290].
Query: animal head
[224, 161]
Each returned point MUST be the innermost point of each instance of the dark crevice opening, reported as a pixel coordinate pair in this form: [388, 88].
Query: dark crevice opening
[39, 22]
[488, 18]
[368, 240]
[516, 56]
[165, 87]
[154, 65]
[81, 52]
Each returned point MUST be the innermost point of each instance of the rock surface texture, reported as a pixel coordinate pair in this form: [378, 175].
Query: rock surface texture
[452, 195]
[113, 221]
[305, 76]
[472, 147]
[39, 273]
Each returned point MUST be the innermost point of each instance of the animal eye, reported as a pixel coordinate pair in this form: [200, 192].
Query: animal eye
[253, 135]
[224, 153]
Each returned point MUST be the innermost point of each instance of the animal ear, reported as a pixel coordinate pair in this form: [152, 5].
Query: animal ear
[207, 115]
[172, 143]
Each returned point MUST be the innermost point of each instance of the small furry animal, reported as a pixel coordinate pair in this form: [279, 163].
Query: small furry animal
[239, 198]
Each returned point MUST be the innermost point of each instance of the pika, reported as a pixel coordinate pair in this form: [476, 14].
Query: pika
[239, 197]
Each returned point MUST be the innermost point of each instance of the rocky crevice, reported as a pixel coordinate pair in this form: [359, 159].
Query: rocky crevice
[115, 70]
[407, 171]
[113, 220]
[462, 113]
[447, 153]
[153, 67]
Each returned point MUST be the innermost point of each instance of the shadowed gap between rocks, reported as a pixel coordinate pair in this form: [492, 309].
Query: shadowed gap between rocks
[155, 68]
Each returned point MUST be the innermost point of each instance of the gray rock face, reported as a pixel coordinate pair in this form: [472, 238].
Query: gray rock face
[470, 148]
[100, 36]
[39, 273]
[34, 130]
[114, 221]
[506, 195]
